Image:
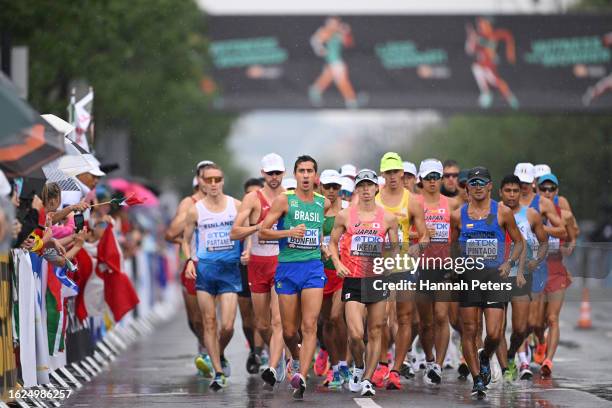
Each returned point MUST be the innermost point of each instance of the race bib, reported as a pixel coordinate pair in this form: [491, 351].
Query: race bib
[218, 241]
[366, 245]
[264, 242]
[554, 244]
[441, 231]
[485, 248]
[310, 240]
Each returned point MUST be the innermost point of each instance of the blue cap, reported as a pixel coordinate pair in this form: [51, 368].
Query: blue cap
[548, 177]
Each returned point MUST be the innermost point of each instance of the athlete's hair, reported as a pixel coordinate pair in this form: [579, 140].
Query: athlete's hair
[252, 182]
[510, 179]
[303, 159]
[450, 163]
[208, 167]
[49, 192]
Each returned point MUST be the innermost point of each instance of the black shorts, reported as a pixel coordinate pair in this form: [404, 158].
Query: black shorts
[365, 290]
[244, 277]
[428, 284]
[495, 296]
[523, 291]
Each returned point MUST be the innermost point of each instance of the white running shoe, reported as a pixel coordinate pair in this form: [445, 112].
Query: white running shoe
[367, 389]
[496, 372]
[355, 384]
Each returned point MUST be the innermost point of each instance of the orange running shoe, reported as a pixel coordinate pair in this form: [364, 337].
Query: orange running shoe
[329, 378]
[321, 364]
[540, 353]
[380, 375]
[393, 383]
[546, 369]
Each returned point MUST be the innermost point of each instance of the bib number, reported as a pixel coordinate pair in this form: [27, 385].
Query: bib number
[219, 241]
[310, 240]
[485, 248]
[366, 245]
[264, 242]
[440, 231]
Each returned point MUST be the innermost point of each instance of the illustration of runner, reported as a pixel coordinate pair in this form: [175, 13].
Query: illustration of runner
[328, 43]
[604, 84]
[482, 43]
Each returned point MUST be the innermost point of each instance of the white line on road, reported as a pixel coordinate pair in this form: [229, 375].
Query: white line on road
[366, 403]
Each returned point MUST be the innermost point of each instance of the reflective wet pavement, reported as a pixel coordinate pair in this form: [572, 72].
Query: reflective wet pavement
[159, 372]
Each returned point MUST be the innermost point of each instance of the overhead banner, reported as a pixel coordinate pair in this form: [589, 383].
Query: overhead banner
[459, 63]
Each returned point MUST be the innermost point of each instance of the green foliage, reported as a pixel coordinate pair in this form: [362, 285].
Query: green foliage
[145, 60]
[577, 148]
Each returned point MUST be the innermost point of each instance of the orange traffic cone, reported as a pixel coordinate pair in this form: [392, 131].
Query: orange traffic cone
[584, 321]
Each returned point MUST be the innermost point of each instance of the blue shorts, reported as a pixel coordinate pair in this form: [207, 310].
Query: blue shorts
[218, 277]
[540, 276]
[293, 277]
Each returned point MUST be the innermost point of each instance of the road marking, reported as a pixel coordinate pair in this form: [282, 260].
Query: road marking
[366, 403]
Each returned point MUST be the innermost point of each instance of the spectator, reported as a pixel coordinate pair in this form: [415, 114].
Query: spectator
[450, 178]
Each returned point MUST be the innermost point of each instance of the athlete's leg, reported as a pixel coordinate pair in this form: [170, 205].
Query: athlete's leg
[469, 317]
[454, 316]
[209, 320]
[520, 315]
[262, 312]
[404, 331]
[441, 331]
[376, 315]
[494, 324]
[194, 317]
[324, 80]
[228, 303]
[480, 77]
[289, 311]
[338, 325]
[355, 313]
[426, 328]
[248, 320]
[311, 300]
[553, 309]
[276, 340]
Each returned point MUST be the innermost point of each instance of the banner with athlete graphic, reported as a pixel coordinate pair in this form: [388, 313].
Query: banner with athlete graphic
[551, 63]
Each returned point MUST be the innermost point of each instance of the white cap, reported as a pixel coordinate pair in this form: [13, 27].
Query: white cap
[95, 166]
[289, 183]
[381, 181]
[5, 186]
[272, 162]
[525, 172]
[330, 177]
[409, 167]
[348, 170]
[428, 166]
[194, 182]
[541, 169]
[203, 163]
[347, 184]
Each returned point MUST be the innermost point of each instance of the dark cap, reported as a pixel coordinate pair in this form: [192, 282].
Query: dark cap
[479, 173]
[463, 176]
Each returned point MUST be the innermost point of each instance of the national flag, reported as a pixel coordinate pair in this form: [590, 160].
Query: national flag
[80, 117]
[128, 201]
[90, 300]
[119, 292]
[59, 287]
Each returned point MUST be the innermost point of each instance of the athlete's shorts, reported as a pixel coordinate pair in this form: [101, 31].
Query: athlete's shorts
[189, 284]
[484, 298]
[217, 278]
[366, 290]
[261, 273]
[540, 276]
[403, 278]
[244, 279]
[525, 290]
[338, 70]
[558, 277]
[428, 280]
[333, 284]
[293, 277]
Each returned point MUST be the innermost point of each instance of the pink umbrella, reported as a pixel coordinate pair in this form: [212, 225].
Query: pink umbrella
[133, 189]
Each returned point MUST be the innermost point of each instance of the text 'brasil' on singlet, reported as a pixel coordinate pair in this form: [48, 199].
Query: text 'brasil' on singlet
[364, 241]
[484, 239]
[311, 214]
[213, 237]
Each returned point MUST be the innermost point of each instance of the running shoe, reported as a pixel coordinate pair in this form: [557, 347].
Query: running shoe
[293, 368]
[315, 96]
[367, 389]
[204, 365]
[434, 374]
[299, 385]
[355, 384]
[406, 370]
[546, 369]
[512, 371]
[463, 369]
[321, 364]
[540, 353]
[253, 363]
[220, 381]
[345, 374]
[393, 383]
[225, 366]
[420, 362]
[479, 389]
[485, 368]
[329, 377]
[269, 376]
[380, 375]
[525, 373]
[496, 371]
[336, 380]
[265, 359]
[281, 369]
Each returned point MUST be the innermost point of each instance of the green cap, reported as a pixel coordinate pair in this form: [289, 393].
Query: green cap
[391, 161]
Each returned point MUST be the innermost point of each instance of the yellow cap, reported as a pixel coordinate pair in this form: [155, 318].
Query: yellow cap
[391, 161]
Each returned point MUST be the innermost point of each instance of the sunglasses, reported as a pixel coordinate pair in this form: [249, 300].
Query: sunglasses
[210, 180]
[274, 173]
[432, 176]
[477, 183]
[331, 186]
[451, 175]
[550, 189]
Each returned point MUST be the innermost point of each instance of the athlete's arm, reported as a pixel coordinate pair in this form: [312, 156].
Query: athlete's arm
[455, 226]
[535, 219]
[241, 229]
[190, 222]
[572, 236]
[418, 220]
[509, 224]
[505, 35]
[393, 233]
[454, 203]
[337, 231]
[177, 225]
[557, 230]
[279, 207]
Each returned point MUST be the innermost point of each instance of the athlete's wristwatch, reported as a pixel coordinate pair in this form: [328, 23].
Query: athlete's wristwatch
[512, 263]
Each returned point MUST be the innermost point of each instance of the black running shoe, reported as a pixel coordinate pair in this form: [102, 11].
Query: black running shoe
[253, 363]
[479, 389]
[269, 376]
[463, 370]
[485, 368]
